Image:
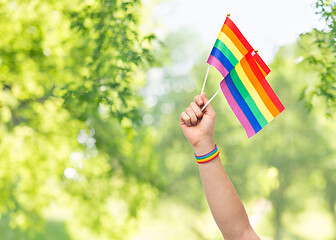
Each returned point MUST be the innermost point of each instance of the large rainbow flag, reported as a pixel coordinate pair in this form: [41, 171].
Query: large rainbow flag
[230, 47]
[249, 95]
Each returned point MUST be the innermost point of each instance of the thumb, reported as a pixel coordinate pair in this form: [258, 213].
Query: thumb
[208, 110]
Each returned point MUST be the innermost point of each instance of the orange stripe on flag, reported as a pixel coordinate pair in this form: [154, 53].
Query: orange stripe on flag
[261, 91]
[239, 35]
[228, 32]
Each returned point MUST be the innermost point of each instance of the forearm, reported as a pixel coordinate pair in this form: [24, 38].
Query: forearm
[225, 205]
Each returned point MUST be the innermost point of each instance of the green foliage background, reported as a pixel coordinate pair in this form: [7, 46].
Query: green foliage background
[90, 145]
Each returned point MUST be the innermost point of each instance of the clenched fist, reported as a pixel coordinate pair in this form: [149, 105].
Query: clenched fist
[197, 126]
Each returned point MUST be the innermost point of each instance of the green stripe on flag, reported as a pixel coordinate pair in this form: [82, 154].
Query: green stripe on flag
[226, 51]
[248, 99]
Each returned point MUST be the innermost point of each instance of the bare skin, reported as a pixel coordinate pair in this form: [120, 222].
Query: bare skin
[225, 205]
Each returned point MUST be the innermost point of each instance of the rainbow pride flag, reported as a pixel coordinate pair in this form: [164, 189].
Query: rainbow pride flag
[249, 95]
[230, 47]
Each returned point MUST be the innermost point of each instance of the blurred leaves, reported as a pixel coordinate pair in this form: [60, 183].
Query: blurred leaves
[320, 53]
[69, 73]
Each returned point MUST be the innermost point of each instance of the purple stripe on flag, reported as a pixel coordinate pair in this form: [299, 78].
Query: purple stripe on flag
[218, 65]
[236, 109]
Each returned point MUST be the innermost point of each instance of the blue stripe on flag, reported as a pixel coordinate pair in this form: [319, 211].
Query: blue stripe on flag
[242, 104]
[220, 56]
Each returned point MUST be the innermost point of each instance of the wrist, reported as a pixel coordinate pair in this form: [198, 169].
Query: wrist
[204, 146]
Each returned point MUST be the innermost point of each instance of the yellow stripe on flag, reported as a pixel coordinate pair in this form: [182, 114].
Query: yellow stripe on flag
[255, 96]
[230, 45]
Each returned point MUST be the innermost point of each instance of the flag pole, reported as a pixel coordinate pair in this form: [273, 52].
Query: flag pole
[211, 99]
[206, 76]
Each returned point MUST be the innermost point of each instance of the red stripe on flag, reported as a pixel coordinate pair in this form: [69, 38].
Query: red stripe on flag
[240, 36]
[268, 89]
[261, 63]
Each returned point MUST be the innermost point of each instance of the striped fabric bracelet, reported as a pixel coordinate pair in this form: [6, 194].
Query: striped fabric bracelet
[208, 157]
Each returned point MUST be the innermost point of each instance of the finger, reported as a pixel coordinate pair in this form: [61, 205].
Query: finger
[192, 116]
[198, 99]
[209, 110]
[196, 109]
[185, 119]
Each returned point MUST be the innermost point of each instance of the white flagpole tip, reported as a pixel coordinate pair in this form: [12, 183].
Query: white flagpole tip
[206, 76]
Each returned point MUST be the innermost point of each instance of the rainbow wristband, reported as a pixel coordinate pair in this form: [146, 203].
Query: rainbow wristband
[208, 157]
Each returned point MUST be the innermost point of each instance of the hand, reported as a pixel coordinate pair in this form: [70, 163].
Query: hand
[199, 127]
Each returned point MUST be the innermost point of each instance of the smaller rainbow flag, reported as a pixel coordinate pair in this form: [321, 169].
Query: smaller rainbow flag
[230, 47]
[249, 95]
